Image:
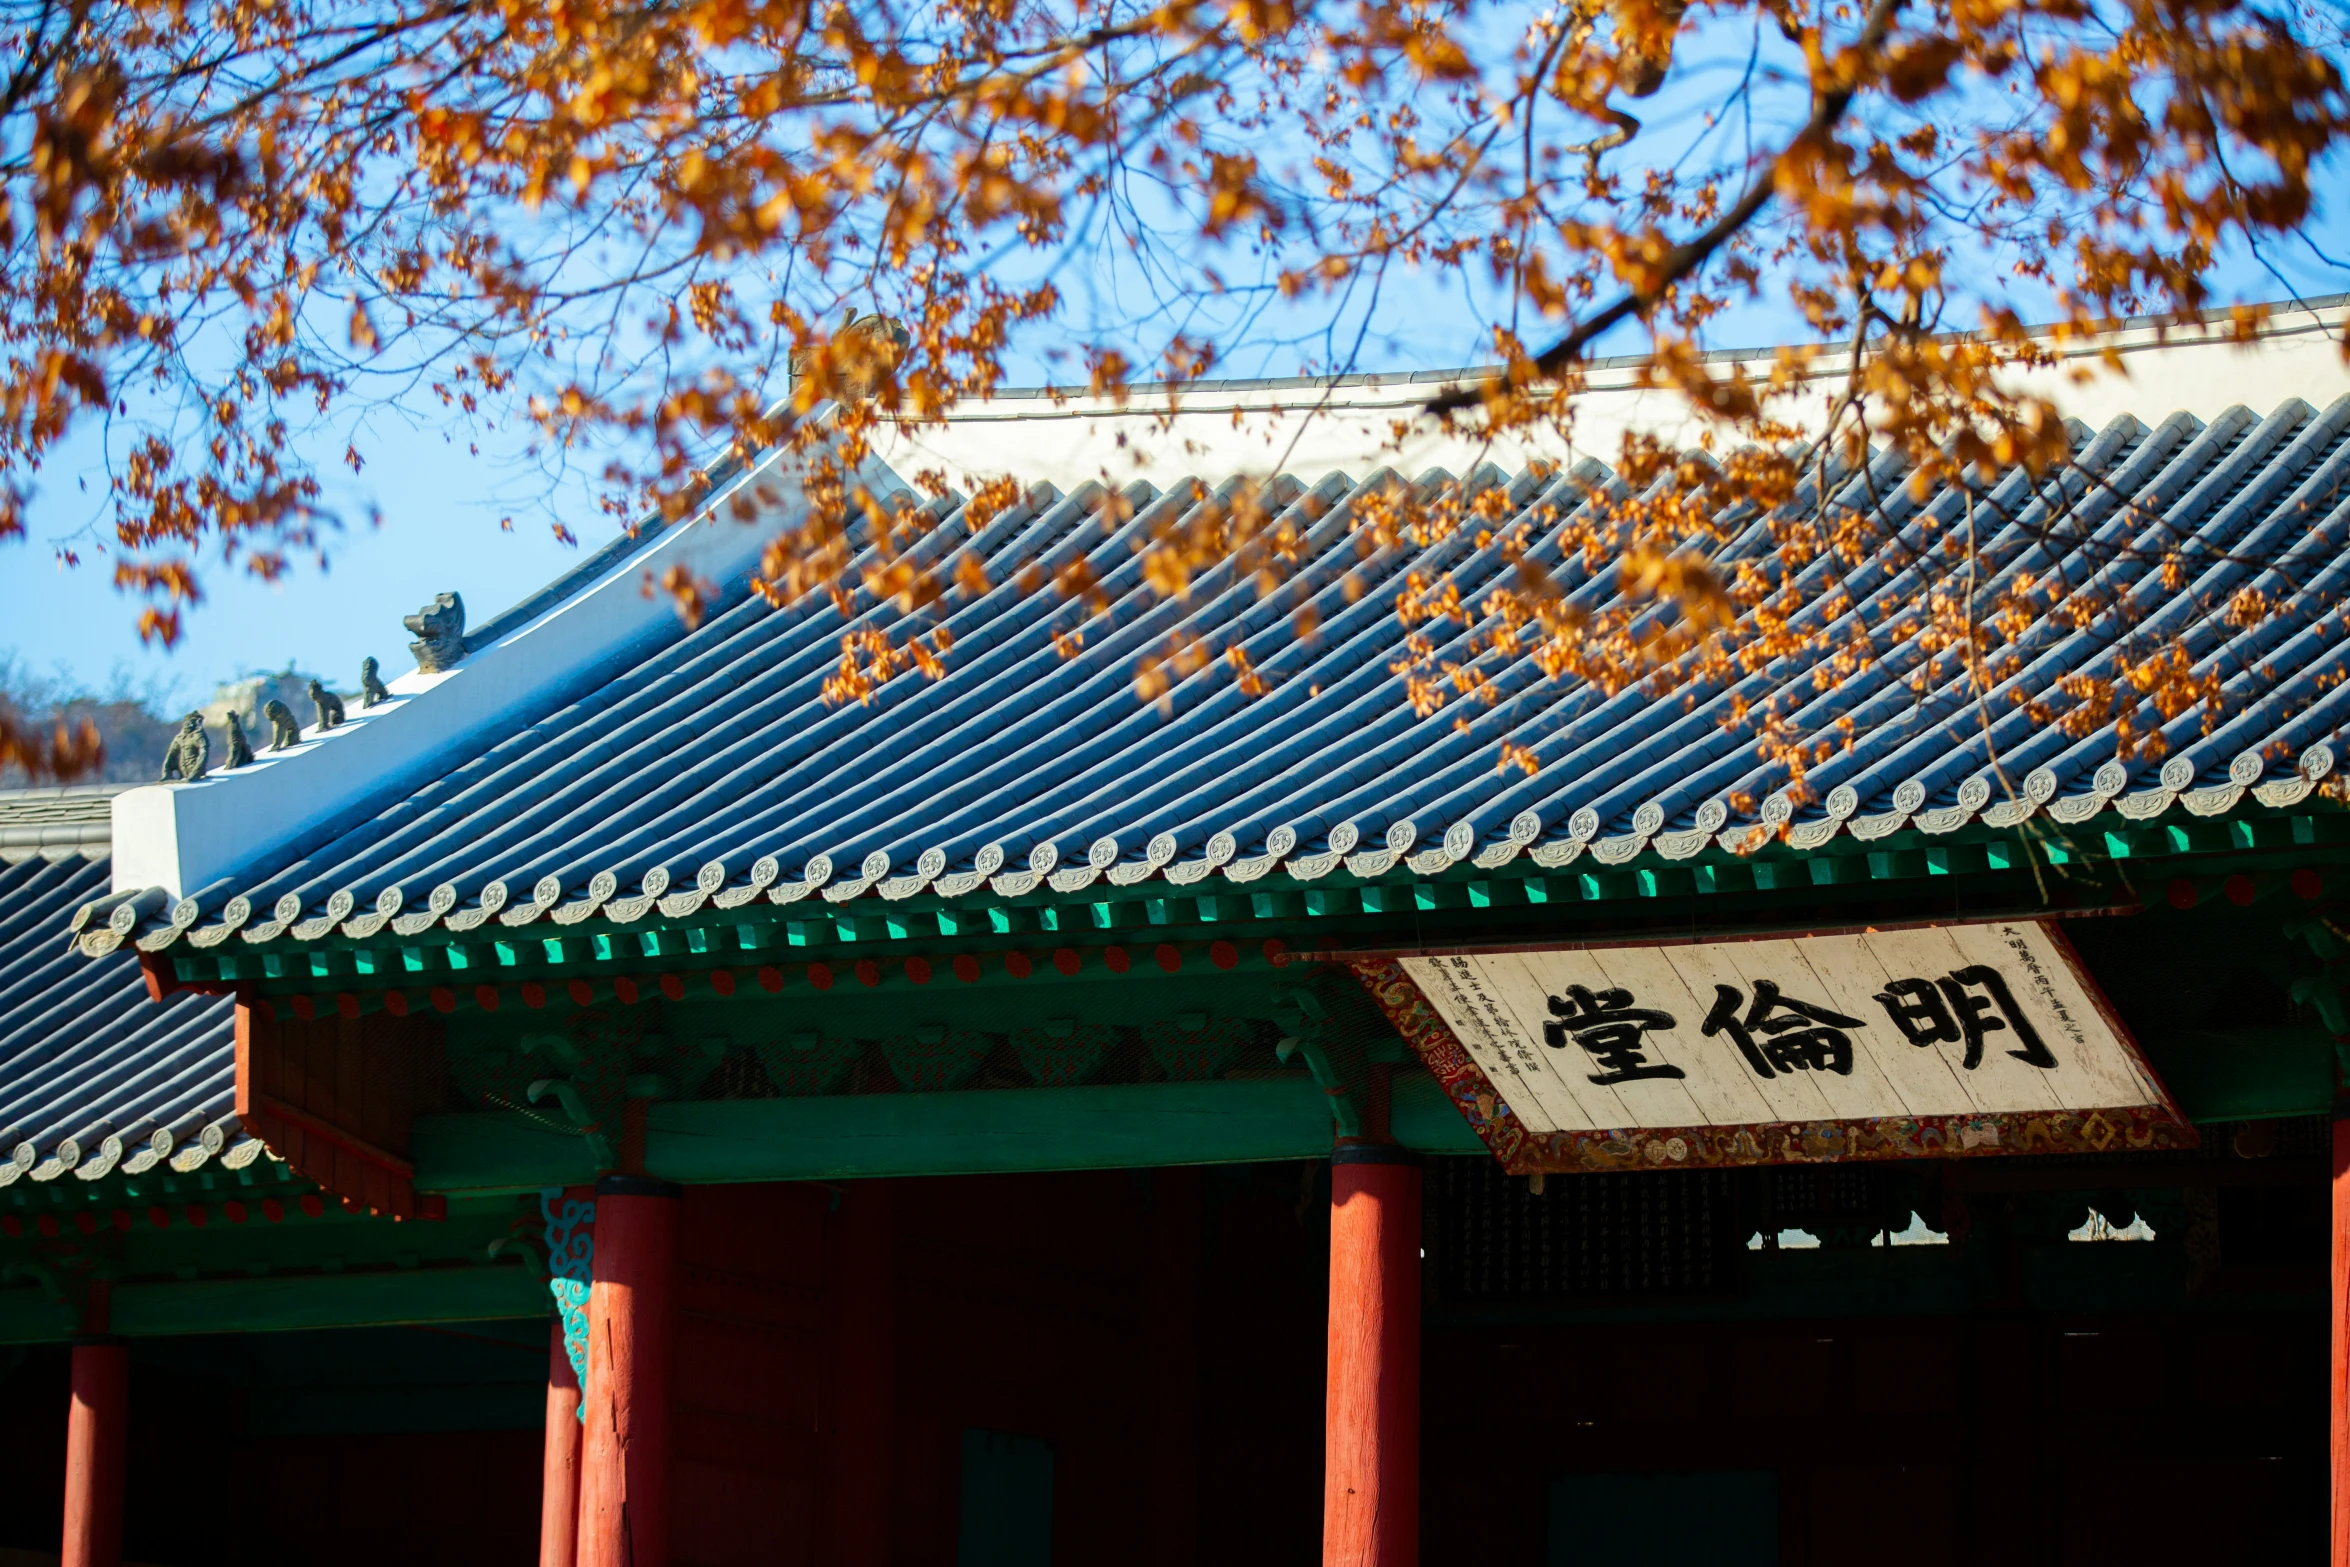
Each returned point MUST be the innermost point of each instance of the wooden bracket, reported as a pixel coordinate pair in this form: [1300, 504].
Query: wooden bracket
[162, 981]
[335, 1098]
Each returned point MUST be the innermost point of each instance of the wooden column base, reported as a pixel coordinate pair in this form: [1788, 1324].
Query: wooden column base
[559, 1491]
[2338, 1330]
[1371, 1442]
[624, 1467]
[93, 1453]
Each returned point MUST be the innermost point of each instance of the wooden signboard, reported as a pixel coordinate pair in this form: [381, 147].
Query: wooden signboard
[1902, 1044]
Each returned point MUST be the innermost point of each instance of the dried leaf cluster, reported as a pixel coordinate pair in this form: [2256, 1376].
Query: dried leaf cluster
[225, 221]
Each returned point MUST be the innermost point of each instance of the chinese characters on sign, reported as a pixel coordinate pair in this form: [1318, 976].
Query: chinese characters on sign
[1797, 1036]
[1966, 1004]
[1952, 1021]
[1611, 1028]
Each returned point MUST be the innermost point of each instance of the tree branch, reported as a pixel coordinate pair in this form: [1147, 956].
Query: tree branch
[1691, 254]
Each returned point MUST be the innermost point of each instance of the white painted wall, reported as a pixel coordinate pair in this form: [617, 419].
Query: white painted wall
[183, 837]
[1263, 430]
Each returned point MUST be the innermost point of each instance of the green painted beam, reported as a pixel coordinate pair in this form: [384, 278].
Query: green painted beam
[2246, 1074]
[282, 1302]
[496, 1151]
[841, 1137]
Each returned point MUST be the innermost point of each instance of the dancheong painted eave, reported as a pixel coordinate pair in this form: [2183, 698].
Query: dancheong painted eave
[93, 1076]
[701, 770]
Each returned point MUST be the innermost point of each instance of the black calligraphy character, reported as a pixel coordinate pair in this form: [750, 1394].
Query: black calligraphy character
[1946, 1010]
[1917, 1009]
[1796, 1036]
[1612, 1029]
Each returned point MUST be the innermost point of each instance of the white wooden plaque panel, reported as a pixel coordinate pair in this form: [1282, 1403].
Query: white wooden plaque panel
[1967, 1023]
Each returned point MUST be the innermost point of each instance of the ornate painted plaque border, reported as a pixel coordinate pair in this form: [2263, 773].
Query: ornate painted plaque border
[1525, 1151]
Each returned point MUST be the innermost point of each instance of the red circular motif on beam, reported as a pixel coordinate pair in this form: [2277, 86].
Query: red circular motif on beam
[197, 1215]
[582, 993]
[310, 1205]
[486, 997]
[1168, 956]
[918, 970]
[1017, 965]
[1117, 959]
[347, 1004]
[673, 986]
[1276, 950]
[2238, 889]
[11, 1226]
[159, 1216]
[396, 1002]
[770, 979]
[85, 1221]
[443, 999]
[47, 1224]
[1223, 954]
[273, 1210]
[233, 1211]
[534, 994]
[2308, 885]
[722, 981]
[868, 973]
[966, 968]
[267, 1009]
[820, 976]
[625, 989]
[124, 1219]
[304, 1010]
[2180, 894]
[1066, 960]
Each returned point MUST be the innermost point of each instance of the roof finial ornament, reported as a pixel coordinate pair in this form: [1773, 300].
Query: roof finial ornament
[439, 629]
[283, 731]
[329, 705]
[184, 758]
[864, 352]
[371, 687]
[240, 749]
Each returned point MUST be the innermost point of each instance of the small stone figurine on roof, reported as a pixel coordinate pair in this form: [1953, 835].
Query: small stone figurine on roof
[439, 629]
[371, 687]
[184, 759]
[240, 749]
[329, 705]
[863, 353]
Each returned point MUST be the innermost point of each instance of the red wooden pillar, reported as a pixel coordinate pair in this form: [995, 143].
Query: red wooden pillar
[1177, 1204]
[93, 1452]
[2339, 1327]
[624, 1468]
[1371, 1440]
[559, 1489]
[860, 1448]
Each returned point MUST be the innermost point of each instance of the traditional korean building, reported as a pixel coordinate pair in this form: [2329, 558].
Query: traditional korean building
[1002, 1121]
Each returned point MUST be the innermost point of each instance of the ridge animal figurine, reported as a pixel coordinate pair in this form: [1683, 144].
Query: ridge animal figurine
[183, 759]
[864, 351]
[329, 705]
[283, 731]
[371, 687]
[439, 629]
[240, 749]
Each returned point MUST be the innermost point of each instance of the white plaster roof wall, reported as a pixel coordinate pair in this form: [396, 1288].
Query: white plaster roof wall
[185, 837]
[1269, 427]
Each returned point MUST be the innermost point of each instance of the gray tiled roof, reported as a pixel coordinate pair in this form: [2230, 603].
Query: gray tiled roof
[72, 819]
[709, 769]
[93, 1074]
